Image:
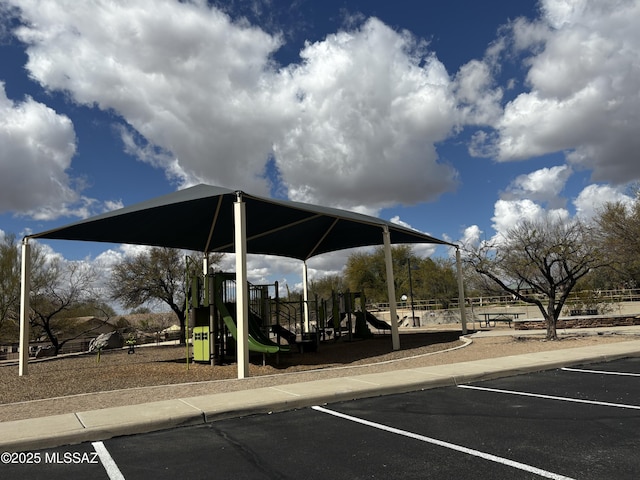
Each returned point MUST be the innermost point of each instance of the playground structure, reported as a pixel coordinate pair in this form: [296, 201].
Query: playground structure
[275, 325]
[216, 219]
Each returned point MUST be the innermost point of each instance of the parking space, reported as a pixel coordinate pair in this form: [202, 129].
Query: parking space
[569, 423]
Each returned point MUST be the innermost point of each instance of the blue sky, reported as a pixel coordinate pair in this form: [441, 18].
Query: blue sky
[456, 118]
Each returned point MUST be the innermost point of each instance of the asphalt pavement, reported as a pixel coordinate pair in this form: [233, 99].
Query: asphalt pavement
[97, 425]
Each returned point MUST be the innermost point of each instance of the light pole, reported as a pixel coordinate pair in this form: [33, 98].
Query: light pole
[413, 315]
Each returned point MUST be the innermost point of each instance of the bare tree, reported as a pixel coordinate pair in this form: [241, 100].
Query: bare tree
[156, 274]
[540, 262]
[59, 291]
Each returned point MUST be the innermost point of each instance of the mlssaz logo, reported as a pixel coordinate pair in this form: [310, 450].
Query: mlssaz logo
[71, 457]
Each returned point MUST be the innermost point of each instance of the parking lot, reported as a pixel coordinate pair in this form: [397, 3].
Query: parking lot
[580, 422]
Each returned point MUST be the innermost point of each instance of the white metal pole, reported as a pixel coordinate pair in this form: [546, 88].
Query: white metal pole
[242, 291]
[463, 311]
[305, 295]
[207, 281]
[395, 335]
[25, 289]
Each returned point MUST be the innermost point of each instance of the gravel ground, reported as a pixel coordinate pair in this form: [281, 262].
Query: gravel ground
[79, 383]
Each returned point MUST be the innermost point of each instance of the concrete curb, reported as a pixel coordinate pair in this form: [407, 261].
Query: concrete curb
[94, 425]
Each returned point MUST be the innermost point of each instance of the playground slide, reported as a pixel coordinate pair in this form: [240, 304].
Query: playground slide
[288, 335]
[376, 322]
[257, 341]
[256, 332]
[337, 325]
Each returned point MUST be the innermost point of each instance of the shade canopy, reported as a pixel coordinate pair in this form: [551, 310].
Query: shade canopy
[201, 219]
[210, 219]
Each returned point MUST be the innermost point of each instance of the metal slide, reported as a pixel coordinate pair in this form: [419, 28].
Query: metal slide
[376, 322]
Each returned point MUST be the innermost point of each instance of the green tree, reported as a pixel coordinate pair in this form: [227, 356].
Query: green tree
[157, 274]
[325, 286]
[619, 228]
[430, 279]
[435, 279]
[367, 272]
[91, 307]
[540, 262]
[9, 280]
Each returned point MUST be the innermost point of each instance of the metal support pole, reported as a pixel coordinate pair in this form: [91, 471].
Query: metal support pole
[395, 334]
[25, 289]
[305, 295]
[242, 291]
[463, 311]
[208, 302]
[413, 313]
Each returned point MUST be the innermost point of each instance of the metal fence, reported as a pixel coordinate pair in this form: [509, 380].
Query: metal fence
[578, 297]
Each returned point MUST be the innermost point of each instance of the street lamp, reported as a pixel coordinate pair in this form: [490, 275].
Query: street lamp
[413, 315]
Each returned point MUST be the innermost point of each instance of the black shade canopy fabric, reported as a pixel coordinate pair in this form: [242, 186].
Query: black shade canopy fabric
[201, 219]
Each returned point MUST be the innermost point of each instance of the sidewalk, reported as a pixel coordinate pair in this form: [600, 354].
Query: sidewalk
[94, 425]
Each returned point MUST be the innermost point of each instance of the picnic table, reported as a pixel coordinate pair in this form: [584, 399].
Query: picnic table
[499, 317]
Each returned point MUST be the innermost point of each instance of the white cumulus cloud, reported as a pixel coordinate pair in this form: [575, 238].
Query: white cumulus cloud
[192, 83]
[543, 185]
[509, 213]
[36, 148]
[583, 61]
[593, 198]
[372, 103]
[354, 124]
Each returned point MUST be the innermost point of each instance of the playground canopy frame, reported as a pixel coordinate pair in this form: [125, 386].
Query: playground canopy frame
[209, 219]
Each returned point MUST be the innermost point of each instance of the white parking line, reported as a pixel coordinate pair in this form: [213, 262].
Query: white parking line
[552, 397]
[602, 372]
[108, 463]
[452, 446]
